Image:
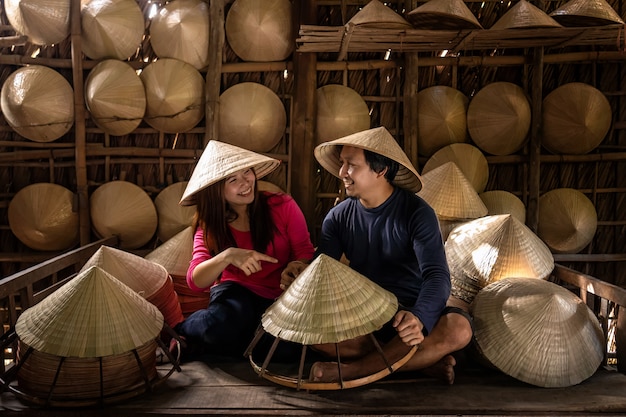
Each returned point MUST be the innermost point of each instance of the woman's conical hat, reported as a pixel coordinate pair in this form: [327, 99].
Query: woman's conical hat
[91, 316]
[181, 31]
[377, 15]
[443, 14]
[121, 208]
[567, 220]
[341, 111]
[377, 140]
[38, 103]
[586, 13]
[111, 28]
[450, 194]
[218, 161]
[172, 216]
[174, 95]
[537, 332]
[576, 118]
[115, 97]
[504, 202]
[525, 15]
[498, 118]
[260, 30]
[252, 116]
[174, 254]
[42, 217]
[44, 22]
[329, 302]
[468, 158]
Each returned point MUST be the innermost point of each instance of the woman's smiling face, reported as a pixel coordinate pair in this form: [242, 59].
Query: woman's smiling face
[239, 187]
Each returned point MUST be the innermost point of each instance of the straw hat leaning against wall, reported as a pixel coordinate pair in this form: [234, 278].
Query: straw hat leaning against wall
[173, 217]
[504, 202]
[44, 22]
[341, 111]
[468, 158]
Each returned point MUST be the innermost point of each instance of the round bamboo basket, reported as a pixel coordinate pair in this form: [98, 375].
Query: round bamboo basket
[341, 111]
[443, 14]
[581, 13]
[44, 22]
[172, 217]
[468, 158]
[524, 15]
[377, 15]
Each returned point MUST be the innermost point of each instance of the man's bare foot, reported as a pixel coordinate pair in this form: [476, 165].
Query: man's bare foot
[442, 370]
[326, 372]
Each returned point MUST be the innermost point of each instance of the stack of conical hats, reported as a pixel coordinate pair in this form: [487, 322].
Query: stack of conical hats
[468, 158]
[504, 202]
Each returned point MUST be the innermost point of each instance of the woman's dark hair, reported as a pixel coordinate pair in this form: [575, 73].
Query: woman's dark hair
[378, 163]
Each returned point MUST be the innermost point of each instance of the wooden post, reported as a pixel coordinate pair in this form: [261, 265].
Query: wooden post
[534, 149]
[410, 113]
[214, 70]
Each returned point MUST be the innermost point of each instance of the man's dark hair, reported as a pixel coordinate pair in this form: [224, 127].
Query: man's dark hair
[378, 163]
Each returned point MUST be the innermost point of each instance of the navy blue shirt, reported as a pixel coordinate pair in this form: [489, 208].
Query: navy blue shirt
[398, 245]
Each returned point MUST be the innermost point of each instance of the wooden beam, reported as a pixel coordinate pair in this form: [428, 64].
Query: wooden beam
[534, 148]
[214, 70]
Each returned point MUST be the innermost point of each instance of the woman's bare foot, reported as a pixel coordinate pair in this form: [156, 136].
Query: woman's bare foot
[442, 370]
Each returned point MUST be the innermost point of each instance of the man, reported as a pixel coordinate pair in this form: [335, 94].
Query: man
[390, 235]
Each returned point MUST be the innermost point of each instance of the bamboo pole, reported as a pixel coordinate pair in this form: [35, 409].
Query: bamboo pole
[534, 151]
[214, 71]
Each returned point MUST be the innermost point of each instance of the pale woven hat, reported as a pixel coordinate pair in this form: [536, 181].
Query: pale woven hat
[341, 111]
[504, 202]
[111, 28]
[468, 158]
[329, 302]
[252, 116]
[450, 194]
[38, 103]
[567, 220]
[172, 217]
[498, 118]
[525, 15]
[44, 22]
[269, 186]
[537, 332]
[576, 118]
[91, 316]
[443, 14]
[377, 15]
[115, 97]
[174, 95]
[260, 30]
[492, 248]
[218, 161]
[42, 217]
[181, 30]
[123, 209]
[442, 118]
[175, 253]
[586, 13]
[377, 140]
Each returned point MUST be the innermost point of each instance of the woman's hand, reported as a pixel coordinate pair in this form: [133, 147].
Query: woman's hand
[249, 261]
[291, 271]
[409, 328]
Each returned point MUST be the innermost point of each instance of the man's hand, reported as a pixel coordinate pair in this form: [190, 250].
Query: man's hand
[291, 271]
[409, 328]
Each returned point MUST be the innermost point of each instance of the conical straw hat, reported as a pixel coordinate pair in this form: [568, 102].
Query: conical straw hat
[38, 103]
[181, 30]
[260, 30]
[123, 209]
[567, 220]
[269, 186]
[377, 140]
[468, 158]
[174, 95]
[341, 111]
[498, 118]
[537, 332]
[450, 194]
[525, 15]
[576, 118]
[377, 15]
[41, 216]
[586, 13]
[92, 316]
[172, 217]
[218, 161]
[442, 118]
[504, 202]
[111, 28]
[328, 303]
[141, 275]
[443, 14]
[174, 254]
[252, 116]
[44, 22]
[492, 248]
[115, 97]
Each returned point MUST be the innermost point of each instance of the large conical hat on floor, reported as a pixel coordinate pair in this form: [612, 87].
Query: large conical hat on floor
[115, 97]
[44, 22]
[111, 28]
[443, 14]
[450, 194]
[38, 103]
[252, 117]
[341, 111]
[174, 254]
[92, 316]
[504, 202]
[173, 217]
[576, 118]
[537, 332]
[567, 220]
[377, 15]
[42, 217]
[181, 31]
[468, 158]
[329, 302]
[525, 15]
[260, 30]
[586, 13]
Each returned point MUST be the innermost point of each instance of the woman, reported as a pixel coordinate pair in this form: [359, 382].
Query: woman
[243, 240]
